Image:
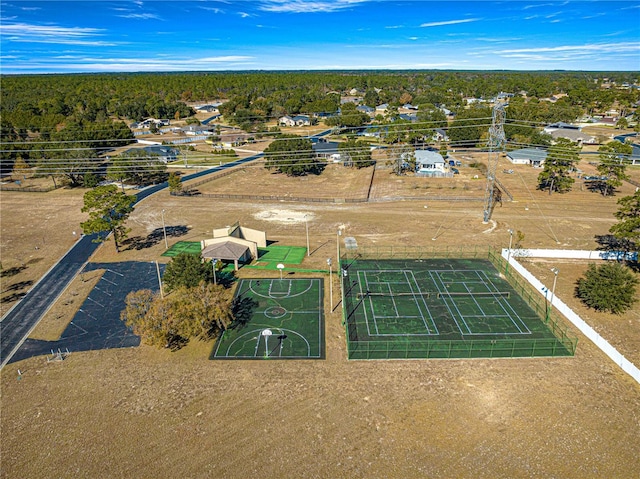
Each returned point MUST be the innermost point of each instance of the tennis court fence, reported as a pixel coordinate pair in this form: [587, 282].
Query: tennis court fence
[564, 345]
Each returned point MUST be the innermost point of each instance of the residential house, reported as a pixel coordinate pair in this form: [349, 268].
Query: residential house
[207, 108]
[152, 121]
[366, 109]
[298, 120]
[561, 125]
[430, 163]
[230, 140]
[327, 150]
[575, 135]
[412, 117]
[528, 156]
[440, 134]
[164, 153]
[197, 130]
[382, 108]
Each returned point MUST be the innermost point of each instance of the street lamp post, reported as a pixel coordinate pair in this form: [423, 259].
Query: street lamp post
[506, 270]
[306, 227]
[330, 284]
[213, 267]
[164, 230]
[555, 271]
[338, 234]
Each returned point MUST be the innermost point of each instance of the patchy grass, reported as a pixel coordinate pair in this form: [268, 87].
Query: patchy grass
[150, 412]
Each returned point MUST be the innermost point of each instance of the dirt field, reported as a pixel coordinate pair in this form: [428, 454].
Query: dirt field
[147, 412]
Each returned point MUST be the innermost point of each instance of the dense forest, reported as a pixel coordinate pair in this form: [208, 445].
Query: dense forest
[44, 117]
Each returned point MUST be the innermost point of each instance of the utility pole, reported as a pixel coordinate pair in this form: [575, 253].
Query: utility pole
[496, 145]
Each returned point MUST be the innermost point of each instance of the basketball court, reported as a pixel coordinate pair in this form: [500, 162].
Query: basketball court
[287, 322]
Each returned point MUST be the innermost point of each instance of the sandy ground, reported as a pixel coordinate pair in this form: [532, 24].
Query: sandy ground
[147, 412]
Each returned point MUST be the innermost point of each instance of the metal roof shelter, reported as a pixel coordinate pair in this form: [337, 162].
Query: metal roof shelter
[228, 251]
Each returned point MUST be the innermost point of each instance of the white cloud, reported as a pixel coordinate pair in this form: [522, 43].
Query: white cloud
[306, 6]
[83, 63]
[212, 9]
[141, 16]
[449, 22]
[23, 32]
[244, 14]
[593, 47]
[537, 5]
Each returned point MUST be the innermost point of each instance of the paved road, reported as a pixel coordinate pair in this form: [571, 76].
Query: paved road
[22, 318]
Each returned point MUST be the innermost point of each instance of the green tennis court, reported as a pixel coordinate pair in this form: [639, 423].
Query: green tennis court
[190, 247]
[286, 323]
[440, 308]
[282, 254]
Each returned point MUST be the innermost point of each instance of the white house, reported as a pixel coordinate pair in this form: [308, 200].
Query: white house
[298, 120]
[528, 156]
[430, 163]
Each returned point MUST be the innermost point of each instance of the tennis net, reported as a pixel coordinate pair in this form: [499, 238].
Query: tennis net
[479, 294]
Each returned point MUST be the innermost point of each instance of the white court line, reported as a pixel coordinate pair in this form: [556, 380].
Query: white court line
[424, 303]
[412, 283]
[115, 272]
[364, 306]
[515, 313]
[435, 280]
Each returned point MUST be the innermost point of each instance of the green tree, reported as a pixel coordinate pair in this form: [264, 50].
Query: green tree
[137, 167]
[628, 215]
[613, 165]
[175, 184]
[205, 310]
[622, 123]
[171, 321]
[108, 211]
[357, 153]
[469, 126]
[560, 161]
[444, 150]
[293, 157]
[349, 117]
[185, 270]
[610, 287]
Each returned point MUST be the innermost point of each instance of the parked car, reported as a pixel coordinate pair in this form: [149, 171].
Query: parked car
[455, 171]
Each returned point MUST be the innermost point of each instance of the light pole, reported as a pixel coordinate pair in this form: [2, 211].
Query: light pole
[330, 284]
[164, 230]
[213, 267]
[338, 234]
[555, 271]
[306, 227]
[506, 270]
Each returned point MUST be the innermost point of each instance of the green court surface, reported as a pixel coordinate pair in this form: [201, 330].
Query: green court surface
[191, 247]
[282, 254]
[286, 323]
[441, 308]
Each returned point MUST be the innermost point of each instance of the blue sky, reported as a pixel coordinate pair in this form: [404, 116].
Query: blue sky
[116, 36]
